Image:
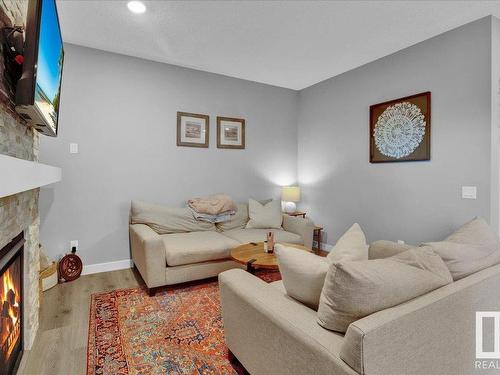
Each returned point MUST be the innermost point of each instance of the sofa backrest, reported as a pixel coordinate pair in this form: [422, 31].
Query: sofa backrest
[431, 334]
[164, 220]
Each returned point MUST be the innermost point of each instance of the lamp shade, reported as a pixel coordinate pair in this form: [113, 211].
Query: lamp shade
[290, 193]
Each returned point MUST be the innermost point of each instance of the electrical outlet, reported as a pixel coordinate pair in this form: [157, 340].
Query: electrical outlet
[73, 243]
[73, 148]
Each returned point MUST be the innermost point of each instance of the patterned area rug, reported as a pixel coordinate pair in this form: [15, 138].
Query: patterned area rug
[178, 331]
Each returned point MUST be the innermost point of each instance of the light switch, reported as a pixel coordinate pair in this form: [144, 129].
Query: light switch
[469, 192]
[73, 148]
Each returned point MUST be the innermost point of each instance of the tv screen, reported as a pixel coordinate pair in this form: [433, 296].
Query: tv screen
[39, 88]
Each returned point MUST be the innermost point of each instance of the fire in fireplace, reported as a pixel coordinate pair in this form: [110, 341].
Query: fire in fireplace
[10, 298]
[11, 324]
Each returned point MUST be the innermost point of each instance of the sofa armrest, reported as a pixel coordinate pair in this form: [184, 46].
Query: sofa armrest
[431, 334]
[301, 226]
[148, 254]
[270, 333]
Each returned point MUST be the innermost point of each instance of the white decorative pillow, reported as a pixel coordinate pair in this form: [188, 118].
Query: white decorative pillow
[471, 248]
[385, 249]
[355, 289]
[351, 246]
[266, 215]
[303, 274]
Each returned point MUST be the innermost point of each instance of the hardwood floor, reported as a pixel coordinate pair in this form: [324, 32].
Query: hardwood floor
[60, 347]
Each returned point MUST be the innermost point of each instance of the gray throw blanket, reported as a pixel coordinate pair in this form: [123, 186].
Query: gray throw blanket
[224, 216]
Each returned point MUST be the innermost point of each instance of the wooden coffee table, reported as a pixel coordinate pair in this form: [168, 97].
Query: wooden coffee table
[252, 254]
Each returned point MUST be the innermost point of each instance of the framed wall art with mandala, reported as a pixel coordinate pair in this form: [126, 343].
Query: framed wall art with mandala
[400, 130]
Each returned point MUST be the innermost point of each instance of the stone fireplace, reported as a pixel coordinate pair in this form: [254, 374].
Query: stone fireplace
[11, 305]
[19, 212]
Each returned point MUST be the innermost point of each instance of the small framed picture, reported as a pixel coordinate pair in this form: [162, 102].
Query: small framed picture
[192, 129]
[230, 132]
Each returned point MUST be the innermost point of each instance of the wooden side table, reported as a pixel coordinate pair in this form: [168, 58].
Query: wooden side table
[297, 214]
[317, 238]
[253, 256]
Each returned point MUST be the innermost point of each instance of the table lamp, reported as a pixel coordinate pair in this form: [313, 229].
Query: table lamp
[290, 195]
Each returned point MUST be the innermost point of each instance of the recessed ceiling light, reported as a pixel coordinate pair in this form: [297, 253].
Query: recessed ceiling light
[136, 7]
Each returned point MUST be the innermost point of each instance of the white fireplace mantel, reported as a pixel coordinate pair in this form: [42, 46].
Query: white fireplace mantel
[18, 175]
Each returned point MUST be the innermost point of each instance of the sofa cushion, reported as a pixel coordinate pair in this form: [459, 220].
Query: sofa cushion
[475, 232]
[277, 334]
[259, 235]
[279, 285]
[163, 219]
[196, 247]
[303, 274]
[238, 221]
[351, 246]
[264, 215]
[385, 249]
[355, 289]
[472, 247]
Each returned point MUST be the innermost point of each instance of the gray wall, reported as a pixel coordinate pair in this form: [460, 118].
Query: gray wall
[413, 201]
[122, 113]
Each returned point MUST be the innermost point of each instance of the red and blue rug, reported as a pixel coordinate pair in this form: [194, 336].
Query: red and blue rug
[178, 331]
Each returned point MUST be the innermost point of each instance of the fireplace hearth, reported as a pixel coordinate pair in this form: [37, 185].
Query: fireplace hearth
[11, 305]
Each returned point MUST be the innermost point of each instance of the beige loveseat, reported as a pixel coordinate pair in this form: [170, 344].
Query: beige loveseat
[169, 246]
[434, 334]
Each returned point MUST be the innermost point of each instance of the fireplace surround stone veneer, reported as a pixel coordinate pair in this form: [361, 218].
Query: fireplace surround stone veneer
[20, 212]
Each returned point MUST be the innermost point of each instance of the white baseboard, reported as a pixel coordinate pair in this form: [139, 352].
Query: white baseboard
[105, 267]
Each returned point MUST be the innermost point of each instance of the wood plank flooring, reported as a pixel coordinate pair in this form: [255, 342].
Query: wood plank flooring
[60, 347]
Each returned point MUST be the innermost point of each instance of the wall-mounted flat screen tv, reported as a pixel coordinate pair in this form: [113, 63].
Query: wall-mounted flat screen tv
[38, 90]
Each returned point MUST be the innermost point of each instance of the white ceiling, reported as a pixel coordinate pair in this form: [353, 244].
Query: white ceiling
[291, 44]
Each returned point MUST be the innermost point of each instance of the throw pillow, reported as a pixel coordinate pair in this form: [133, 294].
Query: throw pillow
[303, 274]
[266, 215]
[473, 247]
[238, 221]
[385, 249]
[351, 246]
[355, 289]
[164, 220]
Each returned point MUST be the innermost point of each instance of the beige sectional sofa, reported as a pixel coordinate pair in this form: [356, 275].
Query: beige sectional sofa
[169, 246]
[271, 333]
